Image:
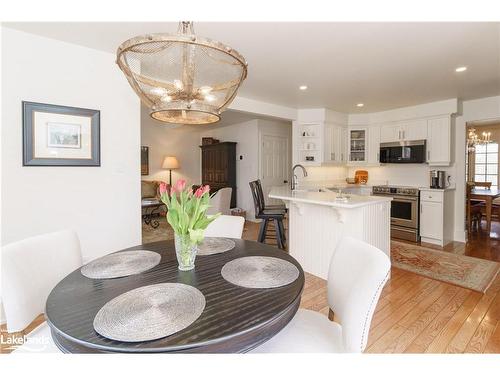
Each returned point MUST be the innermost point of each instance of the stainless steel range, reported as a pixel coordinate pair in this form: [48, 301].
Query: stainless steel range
[404, 210]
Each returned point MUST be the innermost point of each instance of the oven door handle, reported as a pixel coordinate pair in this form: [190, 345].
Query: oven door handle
[399, 199]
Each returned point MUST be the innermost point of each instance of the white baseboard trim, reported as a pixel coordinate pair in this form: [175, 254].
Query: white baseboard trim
[460, 236]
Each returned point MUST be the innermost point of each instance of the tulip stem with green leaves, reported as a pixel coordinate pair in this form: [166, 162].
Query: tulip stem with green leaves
[187, 210]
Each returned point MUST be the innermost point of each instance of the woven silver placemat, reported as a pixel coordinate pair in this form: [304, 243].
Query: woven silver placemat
[260, 272]
[215, 245]
[124, 263]
[150, 312]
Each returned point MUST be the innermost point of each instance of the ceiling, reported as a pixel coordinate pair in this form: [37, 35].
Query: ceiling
[383, 65]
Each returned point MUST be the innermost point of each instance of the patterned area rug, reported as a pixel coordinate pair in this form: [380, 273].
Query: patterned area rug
[468, 272]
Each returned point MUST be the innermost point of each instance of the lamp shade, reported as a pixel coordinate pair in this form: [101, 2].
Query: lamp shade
[170, 162]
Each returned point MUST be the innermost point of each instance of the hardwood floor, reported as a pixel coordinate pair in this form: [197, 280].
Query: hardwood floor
[415, 314]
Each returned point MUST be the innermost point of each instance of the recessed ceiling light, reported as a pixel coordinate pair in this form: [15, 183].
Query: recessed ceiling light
[303, 87]
[359, 105]
[461, 69]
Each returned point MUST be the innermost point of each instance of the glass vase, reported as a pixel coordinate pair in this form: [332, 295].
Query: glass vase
[186, 251]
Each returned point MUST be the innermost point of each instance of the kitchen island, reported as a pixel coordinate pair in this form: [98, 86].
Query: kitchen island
[319, 218]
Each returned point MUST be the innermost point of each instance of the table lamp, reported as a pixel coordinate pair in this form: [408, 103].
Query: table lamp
[170, 162]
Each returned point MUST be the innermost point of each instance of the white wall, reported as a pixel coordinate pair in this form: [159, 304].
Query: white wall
[100, 203]
[164, 140]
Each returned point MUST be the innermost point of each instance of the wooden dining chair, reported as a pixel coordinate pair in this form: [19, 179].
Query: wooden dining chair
[31, 268]
[357, 274]
[486, 185]
[226, 226]
[474, 209]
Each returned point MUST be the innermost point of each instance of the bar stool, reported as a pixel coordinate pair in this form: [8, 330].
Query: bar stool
[280, 207]
[267, 215]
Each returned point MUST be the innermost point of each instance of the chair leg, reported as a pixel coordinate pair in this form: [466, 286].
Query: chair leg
[279, 235]
[283, 233]
[263, 230]
[331, 315]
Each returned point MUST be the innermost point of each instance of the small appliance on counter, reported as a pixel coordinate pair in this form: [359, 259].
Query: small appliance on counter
[437, 179]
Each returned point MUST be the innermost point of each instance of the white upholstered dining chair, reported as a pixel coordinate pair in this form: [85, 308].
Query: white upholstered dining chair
[226, 226]
[357, 274]
[221, 202]
[31, 268]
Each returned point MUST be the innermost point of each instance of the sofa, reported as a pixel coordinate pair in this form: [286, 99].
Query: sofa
[150, 190]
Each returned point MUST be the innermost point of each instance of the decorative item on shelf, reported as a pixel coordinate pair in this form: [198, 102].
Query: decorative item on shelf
[309, 158]
[473, 139]
[183, 78]
[209, 141]
[144, 160]
[170, 162]
[187, 216]
[55, 135]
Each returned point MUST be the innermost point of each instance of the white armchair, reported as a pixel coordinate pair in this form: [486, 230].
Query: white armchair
[31, 268]
[226, 226]
[358, 272]
[221, 202]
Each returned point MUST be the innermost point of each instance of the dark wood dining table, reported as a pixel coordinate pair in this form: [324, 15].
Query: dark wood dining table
[235, 319]
[486, 195]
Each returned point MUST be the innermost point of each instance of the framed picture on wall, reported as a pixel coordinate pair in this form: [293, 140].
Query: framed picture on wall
[55, 135]
[144, 160]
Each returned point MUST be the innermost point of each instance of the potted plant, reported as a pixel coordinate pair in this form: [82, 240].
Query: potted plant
[187, 216]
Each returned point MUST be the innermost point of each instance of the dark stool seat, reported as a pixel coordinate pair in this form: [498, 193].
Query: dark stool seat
[267, 214]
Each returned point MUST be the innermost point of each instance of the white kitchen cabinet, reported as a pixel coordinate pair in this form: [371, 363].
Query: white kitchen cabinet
[431, 220]
[357, 146]
[439, 141]
[414, 130]
[374, 145]
[329, 147]
[436, 216]
[318, 143]
[390, 133]
[335, 144]
[343, 145]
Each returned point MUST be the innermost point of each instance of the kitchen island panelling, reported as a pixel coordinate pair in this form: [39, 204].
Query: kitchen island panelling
[319, 218]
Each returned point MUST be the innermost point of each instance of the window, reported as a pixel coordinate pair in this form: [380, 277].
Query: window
[487, 164]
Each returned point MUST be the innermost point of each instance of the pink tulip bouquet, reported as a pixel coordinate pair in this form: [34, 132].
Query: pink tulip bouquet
[187, 216]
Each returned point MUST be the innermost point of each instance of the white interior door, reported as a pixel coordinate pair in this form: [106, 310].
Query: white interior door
[274, 163]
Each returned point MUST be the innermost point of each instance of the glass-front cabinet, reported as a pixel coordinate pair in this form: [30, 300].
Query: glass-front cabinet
[357, 145]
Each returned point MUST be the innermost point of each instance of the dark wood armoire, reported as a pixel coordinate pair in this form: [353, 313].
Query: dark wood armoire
[218, 167]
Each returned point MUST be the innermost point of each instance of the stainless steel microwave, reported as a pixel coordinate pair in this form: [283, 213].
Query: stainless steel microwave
[403, 152]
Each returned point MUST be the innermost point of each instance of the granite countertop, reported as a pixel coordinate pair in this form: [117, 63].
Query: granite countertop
[324, 197]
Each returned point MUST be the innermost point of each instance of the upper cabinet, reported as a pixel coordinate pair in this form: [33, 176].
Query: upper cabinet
[335, 144]
[357, 144]
[321, 142]
[374, 144]
[439, 141]
[403, 131]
